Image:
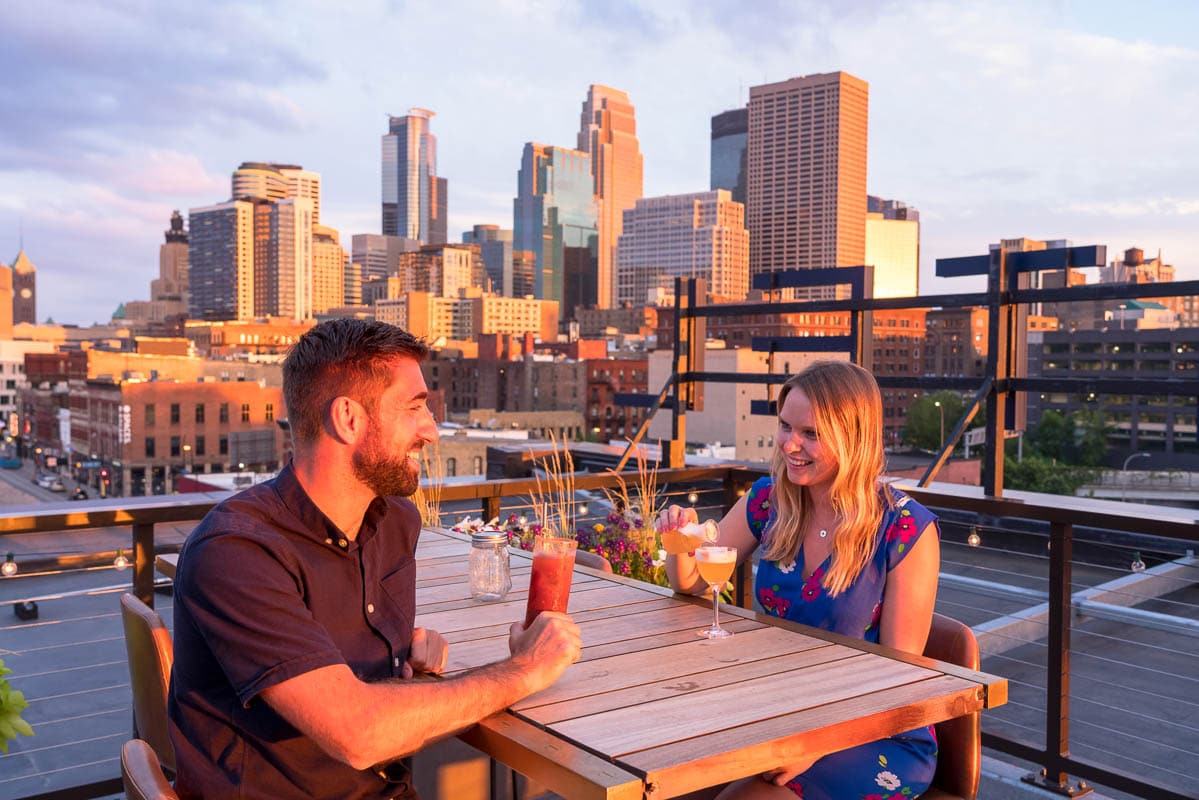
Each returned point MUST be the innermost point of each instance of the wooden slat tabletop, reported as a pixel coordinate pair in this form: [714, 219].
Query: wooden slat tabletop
[680, 712]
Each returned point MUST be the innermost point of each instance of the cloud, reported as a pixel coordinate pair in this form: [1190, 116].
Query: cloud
[992, 122]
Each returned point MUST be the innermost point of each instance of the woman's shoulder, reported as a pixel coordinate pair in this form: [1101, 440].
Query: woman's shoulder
[758, 504]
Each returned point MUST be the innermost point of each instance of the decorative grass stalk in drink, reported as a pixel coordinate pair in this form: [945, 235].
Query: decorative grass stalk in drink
[716, 566]
[549, 583]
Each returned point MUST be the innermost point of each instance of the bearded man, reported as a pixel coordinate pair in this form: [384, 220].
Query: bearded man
[295, 599]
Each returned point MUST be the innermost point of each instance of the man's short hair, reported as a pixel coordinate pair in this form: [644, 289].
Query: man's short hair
[341, 357]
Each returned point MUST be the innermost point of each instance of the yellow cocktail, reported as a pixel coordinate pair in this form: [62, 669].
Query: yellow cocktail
[716, 566]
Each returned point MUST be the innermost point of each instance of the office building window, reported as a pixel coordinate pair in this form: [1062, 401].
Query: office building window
[176, 447]
[150, 415]
[174, 413]
[224, 413]
[245, 412]
[270, 412]
[200, 449]
[223, 445]
[149, 447]
[200, 413]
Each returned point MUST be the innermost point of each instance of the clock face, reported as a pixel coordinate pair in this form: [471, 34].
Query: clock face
[26, 293]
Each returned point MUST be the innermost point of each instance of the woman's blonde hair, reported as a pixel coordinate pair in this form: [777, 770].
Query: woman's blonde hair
[848, 412]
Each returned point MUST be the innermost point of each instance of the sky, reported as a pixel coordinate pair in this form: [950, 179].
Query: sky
[1050, 119]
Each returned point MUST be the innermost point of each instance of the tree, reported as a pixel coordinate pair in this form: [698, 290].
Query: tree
[1039, 474]
[1053, 436]
[922, 428]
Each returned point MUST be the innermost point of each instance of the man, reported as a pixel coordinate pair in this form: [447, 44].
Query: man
[294, 600]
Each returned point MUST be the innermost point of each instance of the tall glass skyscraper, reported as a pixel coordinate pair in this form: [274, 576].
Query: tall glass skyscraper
[414, 198]
[555, 218]
[608, 134]
[730, 144]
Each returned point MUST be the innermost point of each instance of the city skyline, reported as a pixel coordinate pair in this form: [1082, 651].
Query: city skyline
[1073, 121]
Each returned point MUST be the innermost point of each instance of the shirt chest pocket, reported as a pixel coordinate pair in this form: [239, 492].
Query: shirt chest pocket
[399, 600]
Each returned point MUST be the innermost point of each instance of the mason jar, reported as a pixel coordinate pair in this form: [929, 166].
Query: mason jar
[488, 568]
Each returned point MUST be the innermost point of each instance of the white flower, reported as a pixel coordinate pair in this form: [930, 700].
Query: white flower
[788, 568]
[661, 559]
[887, 780]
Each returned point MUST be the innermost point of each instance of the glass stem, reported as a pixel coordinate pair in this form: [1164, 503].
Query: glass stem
[715, 608]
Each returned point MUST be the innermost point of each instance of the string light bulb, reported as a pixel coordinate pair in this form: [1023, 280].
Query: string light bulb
[974, 540]
[10, 566]
[1137, 564]
[120, 562]
[582, 509]
[693, 498]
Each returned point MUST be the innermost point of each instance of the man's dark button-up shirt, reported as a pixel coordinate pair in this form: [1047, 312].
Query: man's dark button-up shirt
[268, 589]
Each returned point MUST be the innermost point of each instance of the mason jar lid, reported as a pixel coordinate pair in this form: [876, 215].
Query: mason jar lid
[488, 537]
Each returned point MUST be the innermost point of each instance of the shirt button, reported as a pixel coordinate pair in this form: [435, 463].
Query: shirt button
[370, 608]
[328, 541]
[396, 662]
[342, 542]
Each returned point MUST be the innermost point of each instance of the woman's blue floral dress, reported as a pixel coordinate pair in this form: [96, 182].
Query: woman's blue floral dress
[899, 767]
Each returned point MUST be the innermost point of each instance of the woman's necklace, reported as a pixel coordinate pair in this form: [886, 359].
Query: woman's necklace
[823, 533]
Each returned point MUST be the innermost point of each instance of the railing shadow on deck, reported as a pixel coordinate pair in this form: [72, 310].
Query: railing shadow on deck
[1059, 607]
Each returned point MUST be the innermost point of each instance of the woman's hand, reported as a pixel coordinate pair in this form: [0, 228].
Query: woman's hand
[780, 775]
[675, 517]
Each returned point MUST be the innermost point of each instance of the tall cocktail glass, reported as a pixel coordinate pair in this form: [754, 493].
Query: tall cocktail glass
[549, 583]
[716, 567]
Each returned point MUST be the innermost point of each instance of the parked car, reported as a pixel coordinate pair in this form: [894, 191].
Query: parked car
[10, 462]
[56, 485]
[44, 480]
[79, 494]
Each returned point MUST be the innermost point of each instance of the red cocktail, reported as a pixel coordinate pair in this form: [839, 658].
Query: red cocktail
[549, 583]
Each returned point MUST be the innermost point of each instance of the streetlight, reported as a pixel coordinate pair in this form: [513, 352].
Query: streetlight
[1124, 483]
[941, 408]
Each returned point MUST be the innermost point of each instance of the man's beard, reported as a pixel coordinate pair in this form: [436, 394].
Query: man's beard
[386, 475]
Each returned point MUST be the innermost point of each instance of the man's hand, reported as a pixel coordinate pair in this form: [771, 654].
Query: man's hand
[428, 653]
[546, 648]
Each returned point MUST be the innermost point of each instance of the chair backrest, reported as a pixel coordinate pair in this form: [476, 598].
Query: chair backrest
[586, 558]
[150, 653]
[959, 740]
[142, 775]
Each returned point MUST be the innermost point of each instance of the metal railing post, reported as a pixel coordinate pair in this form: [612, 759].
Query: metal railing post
[1057, 675]
[143, 562]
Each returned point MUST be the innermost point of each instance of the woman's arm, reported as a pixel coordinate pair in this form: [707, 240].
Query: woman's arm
[682, 570]
[910, 594]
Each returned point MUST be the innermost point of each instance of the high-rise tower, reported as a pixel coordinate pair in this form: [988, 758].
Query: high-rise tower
[24, 287]
[729, 154]
[414, 198]
[554, 217]
[806, 193]
[608, 133]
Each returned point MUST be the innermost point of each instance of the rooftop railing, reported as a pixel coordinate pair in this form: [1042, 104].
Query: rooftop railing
[1088, 607]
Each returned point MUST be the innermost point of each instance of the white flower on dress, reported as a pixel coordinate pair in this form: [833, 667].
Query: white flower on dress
[903, 501]
[887, 780]
[661, 559]
[787, 568]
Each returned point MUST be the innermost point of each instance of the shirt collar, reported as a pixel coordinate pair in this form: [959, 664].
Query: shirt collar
[313, 522]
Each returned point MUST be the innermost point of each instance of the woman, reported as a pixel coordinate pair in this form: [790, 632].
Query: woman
[841, 552]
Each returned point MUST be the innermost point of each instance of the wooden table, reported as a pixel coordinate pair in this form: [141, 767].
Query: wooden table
[652, 710]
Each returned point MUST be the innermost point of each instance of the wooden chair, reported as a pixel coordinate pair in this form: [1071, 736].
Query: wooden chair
[142, 775]
[150, 654]
[959, 740]
[586, 558]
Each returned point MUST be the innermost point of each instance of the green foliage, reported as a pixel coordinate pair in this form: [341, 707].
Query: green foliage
[1079, 439]
[1039, 474]
[922, 428]
[12, 703]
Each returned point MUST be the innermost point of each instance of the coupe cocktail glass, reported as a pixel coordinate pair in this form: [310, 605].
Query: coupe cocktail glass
[716, 567]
